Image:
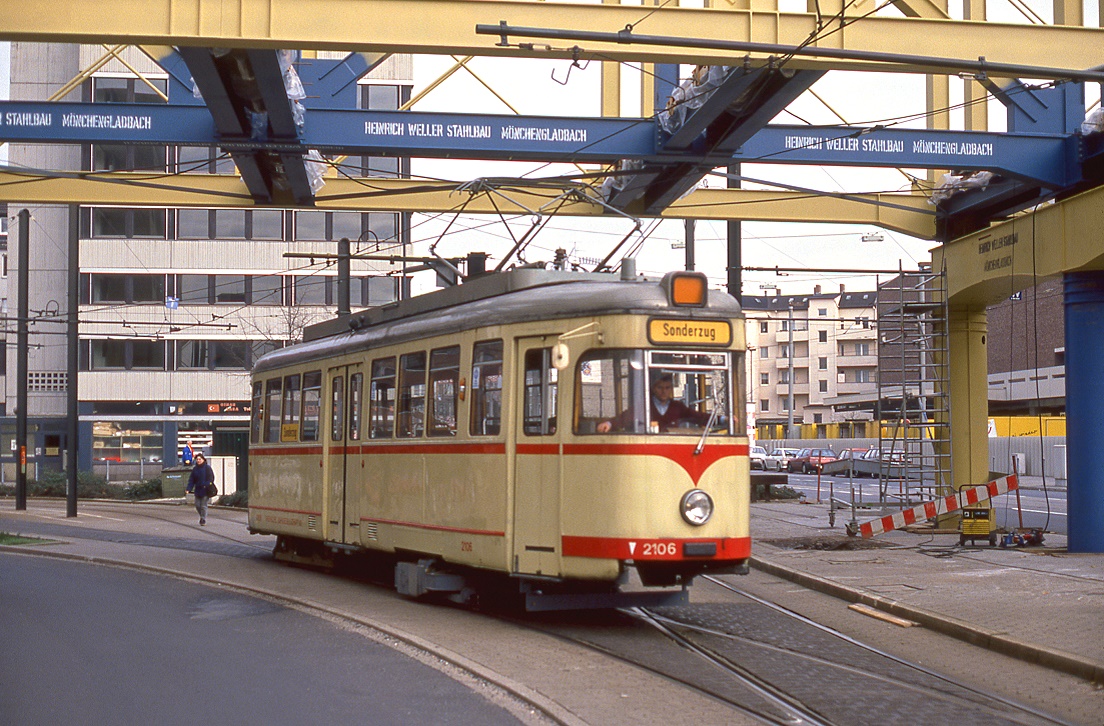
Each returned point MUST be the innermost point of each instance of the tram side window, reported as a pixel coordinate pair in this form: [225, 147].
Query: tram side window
[609, 387]
[289, 424]
[412, 394]
[381, 404]
[486, 399]
[444, 378]
[312, 405]
[337, 408]
[356, 385]
[272, 411]
[540, 392]
[256, 423]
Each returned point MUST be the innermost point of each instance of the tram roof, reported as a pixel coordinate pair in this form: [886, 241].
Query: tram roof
[520, 295]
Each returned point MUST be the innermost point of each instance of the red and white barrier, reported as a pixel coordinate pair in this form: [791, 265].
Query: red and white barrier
[934, 508]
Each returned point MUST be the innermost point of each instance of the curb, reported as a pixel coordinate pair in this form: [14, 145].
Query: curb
[982, 637]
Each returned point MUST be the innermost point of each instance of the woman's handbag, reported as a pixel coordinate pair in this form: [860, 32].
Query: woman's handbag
[211, 490]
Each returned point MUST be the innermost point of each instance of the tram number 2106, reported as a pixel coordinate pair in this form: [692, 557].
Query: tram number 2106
[659, 549]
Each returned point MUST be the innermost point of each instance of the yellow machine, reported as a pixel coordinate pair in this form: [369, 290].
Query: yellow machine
[978, 523]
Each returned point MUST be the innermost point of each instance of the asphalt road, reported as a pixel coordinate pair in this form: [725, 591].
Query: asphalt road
[93, 645]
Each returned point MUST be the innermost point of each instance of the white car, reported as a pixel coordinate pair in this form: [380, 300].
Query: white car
[778, 459]
[758, 457]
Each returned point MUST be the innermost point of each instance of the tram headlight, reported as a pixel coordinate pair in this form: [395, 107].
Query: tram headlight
[696, 507]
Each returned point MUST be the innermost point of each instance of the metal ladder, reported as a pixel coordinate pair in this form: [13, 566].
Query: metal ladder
[913, 393]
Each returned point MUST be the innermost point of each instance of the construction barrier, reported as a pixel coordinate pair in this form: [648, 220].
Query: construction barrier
[936, 507]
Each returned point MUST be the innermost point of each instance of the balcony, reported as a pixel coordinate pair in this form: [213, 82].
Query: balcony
[800, 334]
[856, 361]
[799, 389]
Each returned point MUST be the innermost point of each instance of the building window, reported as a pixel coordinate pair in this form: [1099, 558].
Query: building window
[312, 290]
[119, 222]
[266, 290]
[764, 327]
[232, 289]
[372, 291]
[229, 289]
[818, 418]
[822, 363]
[384, 97]
[822, 336]
[822, 312]
[764, 352]
[213, 355]
[764, 379]
[764, 405]
[129, 223]
[823, 386]
[127, 355]
[258, 224]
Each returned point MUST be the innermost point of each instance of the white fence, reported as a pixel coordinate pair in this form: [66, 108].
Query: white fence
[1037, 456]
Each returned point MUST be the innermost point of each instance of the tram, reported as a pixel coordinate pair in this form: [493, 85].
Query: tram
[497, 439]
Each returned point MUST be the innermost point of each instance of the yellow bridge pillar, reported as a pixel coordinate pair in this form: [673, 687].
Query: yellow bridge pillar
[968, 376]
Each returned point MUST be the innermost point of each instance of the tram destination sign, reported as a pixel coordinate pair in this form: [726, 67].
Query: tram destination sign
[690, 332]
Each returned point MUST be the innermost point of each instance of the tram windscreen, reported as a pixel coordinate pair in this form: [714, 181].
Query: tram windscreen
[624, 391]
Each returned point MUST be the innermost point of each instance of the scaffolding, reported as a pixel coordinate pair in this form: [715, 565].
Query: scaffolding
[913, 392]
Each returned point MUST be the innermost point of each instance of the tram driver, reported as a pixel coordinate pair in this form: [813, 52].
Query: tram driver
[665, 412]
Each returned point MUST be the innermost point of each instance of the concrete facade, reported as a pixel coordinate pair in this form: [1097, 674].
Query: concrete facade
[175, 304]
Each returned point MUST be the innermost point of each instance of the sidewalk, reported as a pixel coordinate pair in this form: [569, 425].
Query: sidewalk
[1041, 604]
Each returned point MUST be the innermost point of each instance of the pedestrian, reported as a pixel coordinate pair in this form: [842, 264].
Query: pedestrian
[202, 475]
[186, 455]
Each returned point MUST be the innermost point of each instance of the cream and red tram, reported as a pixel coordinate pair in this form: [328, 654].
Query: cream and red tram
[461, 435]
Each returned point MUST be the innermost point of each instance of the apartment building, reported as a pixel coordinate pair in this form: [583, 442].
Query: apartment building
[175, 305]
[821, 349]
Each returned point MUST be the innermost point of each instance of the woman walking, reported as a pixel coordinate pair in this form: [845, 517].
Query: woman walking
[201, 477]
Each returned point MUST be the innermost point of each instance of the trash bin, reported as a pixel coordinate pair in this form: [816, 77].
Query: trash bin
[174, 480]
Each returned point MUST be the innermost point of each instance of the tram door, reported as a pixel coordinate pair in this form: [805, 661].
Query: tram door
[343, 453]
[537, 466]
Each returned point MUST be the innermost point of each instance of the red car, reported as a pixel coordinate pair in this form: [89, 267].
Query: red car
[809, 461]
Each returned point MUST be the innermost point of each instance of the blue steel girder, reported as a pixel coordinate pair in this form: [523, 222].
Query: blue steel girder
[740, 105]
[1052, 161]
[244, 92]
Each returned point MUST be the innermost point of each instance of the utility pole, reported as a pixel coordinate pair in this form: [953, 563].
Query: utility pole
[343, 273]
[23, 285]
[72, 362]
[689, 226]
[790, 395]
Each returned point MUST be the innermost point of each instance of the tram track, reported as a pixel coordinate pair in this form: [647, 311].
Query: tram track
[759, 659]
[886, 682]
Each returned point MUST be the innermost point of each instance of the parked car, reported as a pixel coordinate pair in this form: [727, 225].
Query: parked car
[884, 459]
[809, 461]
[758, 457]
[850, 455]
[779, 458]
